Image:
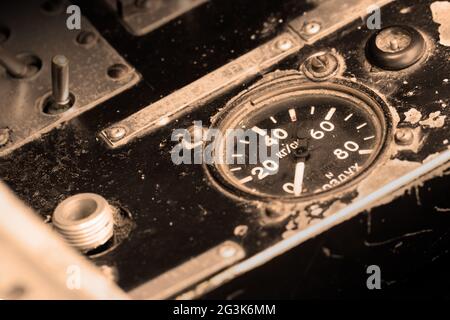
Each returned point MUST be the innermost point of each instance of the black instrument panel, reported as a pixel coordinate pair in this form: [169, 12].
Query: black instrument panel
[179, 212]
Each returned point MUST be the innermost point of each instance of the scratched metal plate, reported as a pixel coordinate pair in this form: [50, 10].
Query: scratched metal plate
[45, 35]
[140, 21]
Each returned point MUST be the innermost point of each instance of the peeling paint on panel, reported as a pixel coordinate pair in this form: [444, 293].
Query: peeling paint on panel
[435, 120]
[413, 116]
[441, 14]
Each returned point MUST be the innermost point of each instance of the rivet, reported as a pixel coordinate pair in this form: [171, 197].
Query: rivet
[284, 44]
[116, 133]
[227, 251]
[118, 71]
[86, 38]
[311, 28]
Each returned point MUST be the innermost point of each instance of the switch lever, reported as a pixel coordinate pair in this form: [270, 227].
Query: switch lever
[60, 98]
[60, 80]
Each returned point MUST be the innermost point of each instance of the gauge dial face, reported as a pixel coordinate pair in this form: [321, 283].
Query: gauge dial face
[324, 140]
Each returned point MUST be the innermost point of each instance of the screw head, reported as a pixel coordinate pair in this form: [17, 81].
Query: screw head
[404, 136]
[311, 28]
[4, 136]
[118, 71]
[320, 66]
[227, 251]
[116, 133]
[395, 47]
[284, 44]
[86, 38]
[320, 63]
[393, 39]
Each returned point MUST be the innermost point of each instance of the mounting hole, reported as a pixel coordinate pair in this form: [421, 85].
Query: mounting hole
[5, 33]
[33, 62]
[50, 107]
[86, 38]
[118, 71]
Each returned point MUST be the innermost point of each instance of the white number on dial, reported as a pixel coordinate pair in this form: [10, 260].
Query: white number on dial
[350, 146]
[325, 126]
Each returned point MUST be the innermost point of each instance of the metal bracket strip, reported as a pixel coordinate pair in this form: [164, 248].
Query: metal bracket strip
[191, 272]
[206, 88]
[330, 16]
[184, 100]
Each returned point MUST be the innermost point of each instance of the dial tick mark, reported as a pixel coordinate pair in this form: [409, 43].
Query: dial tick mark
[361, 125]
[330, 114]
[246, 179]
[292, 115]
[259, 131]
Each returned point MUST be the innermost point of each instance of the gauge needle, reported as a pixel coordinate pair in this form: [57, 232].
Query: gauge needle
[298, 179]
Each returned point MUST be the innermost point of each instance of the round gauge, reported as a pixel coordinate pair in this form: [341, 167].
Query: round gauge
[298, 139]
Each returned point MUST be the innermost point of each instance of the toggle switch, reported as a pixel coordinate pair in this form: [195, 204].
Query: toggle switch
[60, 80]
[60, 99]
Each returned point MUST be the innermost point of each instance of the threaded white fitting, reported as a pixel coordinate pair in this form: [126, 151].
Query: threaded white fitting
[85, 220]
